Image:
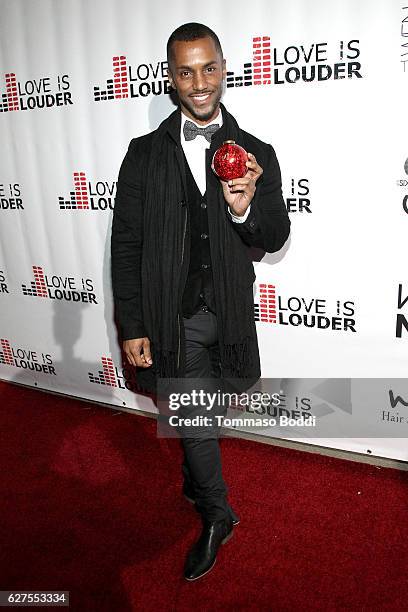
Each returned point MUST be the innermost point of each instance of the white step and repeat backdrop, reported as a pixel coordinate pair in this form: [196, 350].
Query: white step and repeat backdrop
[325, 82]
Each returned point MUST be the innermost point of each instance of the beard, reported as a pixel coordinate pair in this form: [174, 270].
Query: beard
[206, 113]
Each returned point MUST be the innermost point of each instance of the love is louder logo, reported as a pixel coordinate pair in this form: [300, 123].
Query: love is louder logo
[25, 359]
[297, 63]
[56, 287]
[301, 311]
[39, 93]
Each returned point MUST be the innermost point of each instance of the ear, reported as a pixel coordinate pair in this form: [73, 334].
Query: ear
[170, 77]
[224, 69]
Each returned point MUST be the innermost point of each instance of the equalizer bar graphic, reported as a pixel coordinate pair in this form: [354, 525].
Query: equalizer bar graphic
[257, 72]
[79, 198]
[261, 46]
[118, 86]
[9, 100]
[6, 354]
[38, 287]
[106, 376]
[265, 311]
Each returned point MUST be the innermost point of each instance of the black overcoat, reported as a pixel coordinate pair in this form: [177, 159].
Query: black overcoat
[267, 227]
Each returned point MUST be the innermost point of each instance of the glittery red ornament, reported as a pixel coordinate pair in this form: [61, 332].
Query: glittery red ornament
[229, 161]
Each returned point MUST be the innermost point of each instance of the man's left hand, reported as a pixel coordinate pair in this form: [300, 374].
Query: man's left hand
[238, 193]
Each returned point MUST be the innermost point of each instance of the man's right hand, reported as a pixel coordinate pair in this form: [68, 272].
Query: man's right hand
[137, 352]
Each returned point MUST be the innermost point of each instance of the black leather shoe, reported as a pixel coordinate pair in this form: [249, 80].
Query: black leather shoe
[189, 496]
[203, 555]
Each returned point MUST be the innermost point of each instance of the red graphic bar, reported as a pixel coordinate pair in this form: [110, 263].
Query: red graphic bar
[267, 303]
[109, 371]
[7, 353]
[11, 91]
[120, 76]
[81, 192]
[39, 279]
[261, 48]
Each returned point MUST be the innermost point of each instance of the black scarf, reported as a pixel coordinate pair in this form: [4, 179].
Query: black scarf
[164, 225]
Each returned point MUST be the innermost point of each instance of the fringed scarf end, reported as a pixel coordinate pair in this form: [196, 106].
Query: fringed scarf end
[237, 358]
[165, 364]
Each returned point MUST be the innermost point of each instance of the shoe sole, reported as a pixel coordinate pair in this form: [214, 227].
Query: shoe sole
[224, 541]
[228, 537]
[201, 575]
[192, 501]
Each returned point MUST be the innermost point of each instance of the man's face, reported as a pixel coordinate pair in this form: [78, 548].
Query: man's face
[197, 71]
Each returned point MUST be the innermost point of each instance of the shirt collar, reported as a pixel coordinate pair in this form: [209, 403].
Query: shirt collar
[184, 118]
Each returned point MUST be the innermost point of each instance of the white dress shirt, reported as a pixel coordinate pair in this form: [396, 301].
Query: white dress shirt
[194, 151]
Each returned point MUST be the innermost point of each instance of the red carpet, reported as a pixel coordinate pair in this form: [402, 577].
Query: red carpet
[90, 503]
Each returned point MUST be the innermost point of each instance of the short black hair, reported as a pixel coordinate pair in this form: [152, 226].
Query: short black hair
[192, 31]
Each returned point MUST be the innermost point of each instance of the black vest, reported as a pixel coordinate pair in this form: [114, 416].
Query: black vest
[199, 289]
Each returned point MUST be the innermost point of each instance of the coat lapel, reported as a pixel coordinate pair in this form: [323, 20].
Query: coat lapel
[173, 129]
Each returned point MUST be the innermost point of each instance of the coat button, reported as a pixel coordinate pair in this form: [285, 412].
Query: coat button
[203, 205]
[204, 236]
[204, 308]
[252, 224]
[205, 266]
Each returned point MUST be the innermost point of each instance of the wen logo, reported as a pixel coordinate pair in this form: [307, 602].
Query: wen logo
[394, 400]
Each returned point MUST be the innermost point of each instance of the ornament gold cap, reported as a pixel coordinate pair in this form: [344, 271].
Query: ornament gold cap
[229, 141]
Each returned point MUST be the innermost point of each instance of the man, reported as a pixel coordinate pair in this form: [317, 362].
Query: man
[181, 272]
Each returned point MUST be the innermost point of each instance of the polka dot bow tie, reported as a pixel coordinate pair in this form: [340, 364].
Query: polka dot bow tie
[191, 130]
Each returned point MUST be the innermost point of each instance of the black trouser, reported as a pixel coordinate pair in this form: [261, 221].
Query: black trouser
[202, 457]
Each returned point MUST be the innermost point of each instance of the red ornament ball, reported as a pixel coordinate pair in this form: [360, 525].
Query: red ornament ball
[229, 161]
